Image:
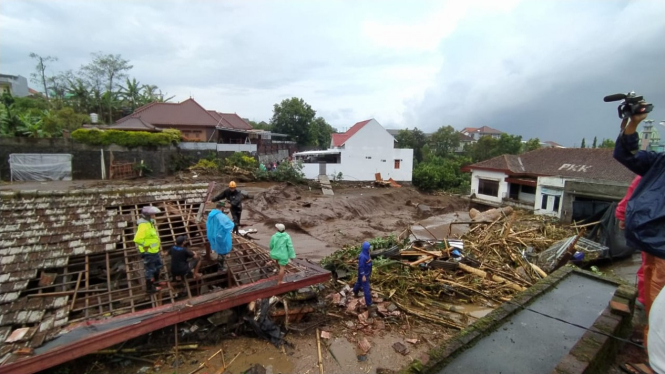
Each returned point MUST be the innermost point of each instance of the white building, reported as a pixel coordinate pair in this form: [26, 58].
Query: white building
[361, 152]
[568, 183]
[478, 132]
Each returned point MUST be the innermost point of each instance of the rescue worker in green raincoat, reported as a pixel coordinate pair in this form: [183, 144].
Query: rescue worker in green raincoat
[148, 243]
[281, 250]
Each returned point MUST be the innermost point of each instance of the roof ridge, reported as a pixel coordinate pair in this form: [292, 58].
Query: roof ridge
[200, 106]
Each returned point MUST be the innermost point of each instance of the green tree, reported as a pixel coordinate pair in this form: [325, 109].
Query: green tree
[321, 132]
[107, 69]
[508, 144]
[412, 139]
[131, 92]
[607, 143]
[39, 76]
[263, 125]
[583, 143]
[444, 141]
[438, 173]
[484, 149]
[293, 117]
[532, 145]
[79, 95]
[594, 142]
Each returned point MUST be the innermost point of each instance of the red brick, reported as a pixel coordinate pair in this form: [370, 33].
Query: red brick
[620, 308]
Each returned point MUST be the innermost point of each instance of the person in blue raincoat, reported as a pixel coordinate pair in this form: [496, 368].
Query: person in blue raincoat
[364, 273]
[219, 227]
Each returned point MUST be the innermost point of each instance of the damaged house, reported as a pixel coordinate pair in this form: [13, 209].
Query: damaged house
[568, 183]
[72, 281]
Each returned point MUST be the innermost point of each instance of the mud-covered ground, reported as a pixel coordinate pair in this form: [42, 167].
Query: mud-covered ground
[319, 225]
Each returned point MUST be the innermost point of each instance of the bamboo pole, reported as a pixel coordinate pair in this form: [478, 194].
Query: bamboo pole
[318, 347]
[493, 277]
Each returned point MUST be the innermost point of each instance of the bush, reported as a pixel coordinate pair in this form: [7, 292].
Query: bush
[129, 139]
[205, 166]
[241, 160]
[438, 173]
[285, 172]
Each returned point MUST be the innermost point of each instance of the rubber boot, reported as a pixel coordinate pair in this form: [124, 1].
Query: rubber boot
[149, 286]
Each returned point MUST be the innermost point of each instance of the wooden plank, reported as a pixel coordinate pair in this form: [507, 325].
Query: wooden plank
[78, 283]
[108, 280]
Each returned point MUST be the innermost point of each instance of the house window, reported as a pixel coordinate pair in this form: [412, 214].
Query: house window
[488, 187]
[557, 200]
[529, 189]
[397, 164]
[368, 157]
[543, 204]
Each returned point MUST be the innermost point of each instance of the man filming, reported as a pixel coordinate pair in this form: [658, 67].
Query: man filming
[645, 225]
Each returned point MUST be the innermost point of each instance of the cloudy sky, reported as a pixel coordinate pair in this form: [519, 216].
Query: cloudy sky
[536, 68]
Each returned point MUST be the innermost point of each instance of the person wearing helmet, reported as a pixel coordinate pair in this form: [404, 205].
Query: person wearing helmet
[218, 231]
[281, 250]
[364, 272]
[148, 243]
[234, 196]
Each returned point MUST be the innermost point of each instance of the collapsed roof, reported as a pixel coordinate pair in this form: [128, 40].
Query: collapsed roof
[68, 261]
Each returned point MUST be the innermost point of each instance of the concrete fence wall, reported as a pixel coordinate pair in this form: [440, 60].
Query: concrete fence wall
[86, 159]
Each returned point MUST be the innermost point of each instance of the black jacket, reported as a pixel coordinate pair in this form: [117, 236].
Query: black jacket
[233, 196]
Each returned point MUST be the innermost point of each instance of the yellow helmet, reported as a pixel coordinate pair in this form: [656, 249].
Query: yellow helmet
[232, 184]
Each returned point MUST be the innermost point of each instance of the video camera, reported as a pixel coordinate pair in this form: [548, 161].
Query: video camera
[632, 104]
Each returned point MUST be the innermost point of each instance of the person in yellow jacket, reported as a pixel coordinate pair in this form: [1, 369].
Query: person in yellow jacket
[148, 243]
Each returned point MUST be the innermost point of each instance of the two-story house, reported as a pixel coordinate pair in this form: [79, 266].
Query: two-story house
[365, 149]
[478, 132]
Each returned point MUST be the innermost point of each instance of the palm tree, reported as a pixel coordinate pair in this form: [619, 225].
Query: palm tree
[131, 92]
[80, 95]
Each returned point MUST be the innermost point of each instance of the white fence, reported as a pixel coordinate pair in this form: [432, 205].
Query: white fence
[218, 147]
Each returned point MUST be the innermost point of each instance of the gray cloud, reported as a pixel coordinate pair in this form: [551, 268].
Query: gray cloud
[535, 68]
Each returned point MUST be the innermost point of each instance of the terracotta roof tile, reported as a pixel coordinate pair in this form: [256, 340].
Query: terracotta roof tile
[338, 140]
[587, 163]
[49, 230]
[186, 113]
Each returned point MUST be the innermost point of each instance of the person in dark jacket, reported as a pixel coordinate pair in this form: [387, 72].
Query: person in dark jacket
[645, 212]
[364, 273]
[184, 262]
[235, 197]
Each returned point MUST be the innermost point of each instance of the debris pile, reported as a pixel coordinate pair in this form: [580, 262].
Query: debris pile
[486, 266]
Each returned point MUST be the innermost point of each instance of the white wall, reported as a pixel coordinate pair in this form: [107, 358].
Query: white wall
[369, 151]
[219, 147]
[354, 165]
[547, 187]
[527, 197]
[491, 175]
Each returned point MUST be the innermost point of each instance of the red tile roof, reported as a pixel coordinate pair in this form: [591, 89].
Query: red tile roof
[587, 163]
[553, 144]
[482, 130]
[465, 138]
[338, 140]
[235, 121]
[186, 113]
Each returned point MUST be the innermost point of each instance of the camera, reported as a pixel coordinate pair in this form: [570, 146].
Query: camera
[632, 104]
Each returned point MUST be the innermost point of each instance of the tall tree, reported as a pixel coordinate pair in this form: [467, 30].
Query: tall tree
[444, 141]
[594, 142]
[414, 139]
[321, 132]
[263, 125]
[508, 144]
[583, 143]
[131, 92]
[532, 145]
[293, 116]
[39, 76]
[110, 68]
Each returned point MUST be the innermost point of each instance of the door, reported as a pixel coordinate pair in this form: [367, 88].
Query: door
[322, 168]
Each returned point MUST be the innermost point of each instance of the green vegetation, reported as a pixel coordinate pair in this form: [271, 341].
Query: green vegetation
[100, 86]
[297, 118]
[285, 172]
[241, 160]
[129, 139]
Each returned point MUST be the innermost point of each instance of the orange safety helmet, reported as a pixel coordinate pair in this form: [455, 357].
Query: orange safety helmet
[232, 184]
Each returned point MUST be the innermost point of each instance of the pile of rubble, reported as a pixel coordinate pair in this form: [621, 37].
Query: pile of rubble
[487, 265]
